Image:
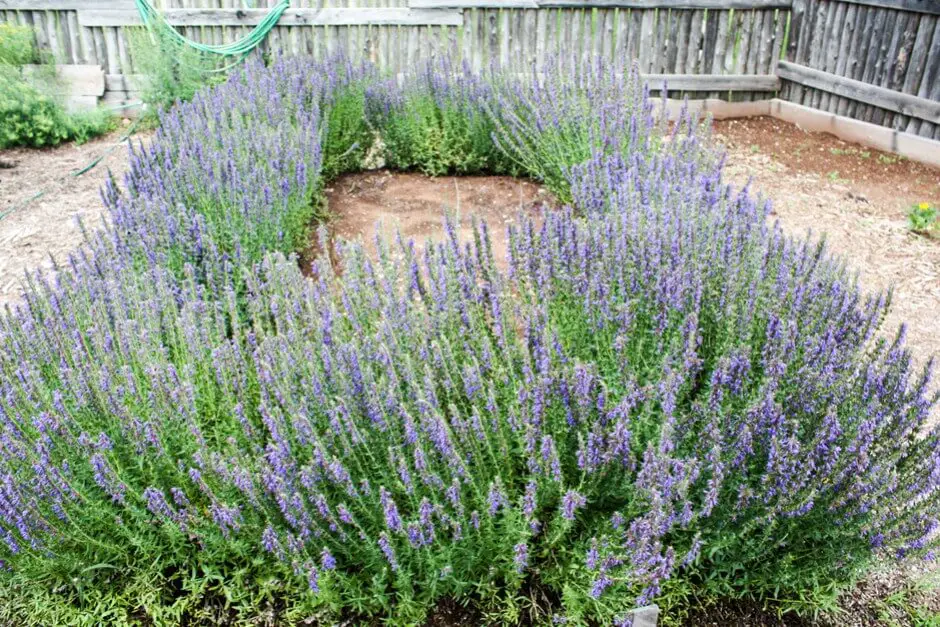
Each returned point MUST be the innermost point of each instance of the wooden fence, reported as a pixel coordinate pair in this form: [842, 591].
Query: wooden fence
[873, 60]
[709, 48]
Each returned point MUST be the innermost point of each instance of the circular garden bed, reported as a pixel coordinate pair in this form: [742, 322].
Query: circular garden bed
[656, 398]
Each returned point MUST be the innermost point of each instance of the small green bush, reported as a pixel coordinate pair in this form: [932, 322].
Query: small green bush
[16, 45]
[29, 115]
[173, 72]
[924, 218]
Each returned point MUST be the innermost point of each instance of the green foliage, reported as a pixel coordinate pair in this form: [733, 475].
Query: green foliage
[29, 115]
[348, 136]
[923, 218]
[173, 72]
[440, 138]
[16, 45]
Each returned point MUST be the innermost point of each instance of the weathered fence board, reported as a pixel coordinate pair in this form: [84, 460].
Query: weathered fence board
[921, 6]
[873, 60]
[705, 82]
[292, 17]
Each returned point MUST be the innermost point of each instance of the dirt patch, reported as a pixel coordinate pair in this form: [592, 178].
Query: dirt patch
[859, 199]
[362, 204]
[33, 231]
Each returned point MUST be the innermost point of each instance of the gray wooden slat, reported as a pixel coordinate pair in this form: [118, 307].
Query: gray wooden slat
[530, 28]
[875, 34]
[663, 31]
[901, 61]
[735, 28]
[934, 93]
[798, 19]
[693, 59]
[928, 49]
[747, 53]
[813, 35]
[473, 4]
[504, 38]
[887, 43]
[765, 42]
[824, 31]
[710, 41]
[541, 42]
[682, 42]
[647, 34]
[833, 39]
[845, 41]
[872, 94]
[64, 5]
[854, 69]
[920, 6]
[291, 17]
[712, 82]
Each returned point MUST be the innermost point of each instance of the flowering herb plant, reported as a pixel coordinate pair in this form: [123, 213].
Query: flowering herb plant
[661, 397]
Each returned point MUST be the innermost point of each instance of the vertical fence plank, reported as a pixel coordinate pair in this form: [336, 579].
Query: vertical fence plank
[905, 63]
[887, 42]
[914, 81]
[853, 68]
[693, 52]
[845, 36]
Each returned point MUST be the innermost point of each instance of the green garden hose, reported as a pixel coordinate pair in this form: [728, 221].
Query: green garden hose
[238, 48]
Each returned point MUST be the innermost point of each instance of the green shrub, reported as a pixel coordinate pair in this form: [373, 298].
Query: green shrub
[172, 72]
[348, 136]
[28, 117]
[923, 218]
[439, 125]
[16, 45]
[29, 114]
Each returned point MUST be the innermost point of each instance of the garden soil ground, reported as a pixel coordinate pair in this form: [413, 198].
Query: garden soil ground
[34, 232]
[362, 204]
[858, 197]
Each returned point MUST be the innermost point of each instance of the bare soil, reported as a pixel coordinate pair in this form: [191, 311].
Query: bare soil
[380, 201]
[34, 231]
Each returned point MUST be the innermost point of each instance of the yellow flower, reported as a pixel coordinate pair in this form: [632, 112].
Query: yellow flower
[924, 205]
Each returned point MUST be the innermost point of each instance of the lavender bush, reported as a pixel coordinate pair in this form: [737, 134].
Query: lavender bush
[663, 397]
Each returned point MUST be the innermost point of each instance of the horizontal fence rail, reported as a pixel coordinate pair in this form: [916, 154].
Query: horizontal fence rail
[876, 61]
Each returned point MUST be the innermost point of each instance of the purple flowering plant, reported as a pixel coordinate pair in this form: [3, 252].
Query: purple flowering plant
[662, 396]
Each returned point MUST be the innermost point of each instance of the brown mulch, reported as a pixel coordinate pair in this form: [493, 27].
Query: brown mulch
[33, 232]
